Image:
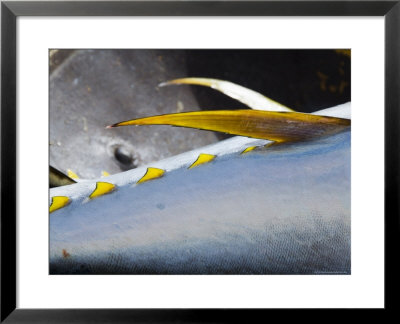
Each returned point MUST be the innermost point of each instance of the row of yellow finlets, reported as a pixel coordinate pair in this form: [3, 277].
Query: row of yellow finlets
[103, 188]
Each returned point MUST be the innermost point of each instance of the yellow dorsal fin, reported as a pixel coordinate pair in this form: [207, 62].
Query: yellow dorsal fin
[58, 202]
[270, 125]
[152, 173]
[202, 158]
[102, 188]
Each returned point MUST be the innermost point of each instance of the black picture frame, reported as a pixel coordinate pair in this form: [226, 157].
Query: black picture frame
[10, 10]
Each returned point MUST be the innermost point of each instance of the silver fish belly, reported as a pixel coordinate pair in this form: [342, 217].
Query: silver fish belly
[283, 209]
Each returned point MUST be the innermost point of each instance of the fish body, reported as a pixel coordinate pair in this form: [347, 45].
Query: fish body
[282, 209]
[240, 206]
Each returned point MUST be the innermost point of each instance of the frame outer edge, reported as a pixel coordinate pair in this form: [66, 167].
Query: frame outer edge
[10, 10]
[392, 151]
[203, 8]
[8, 161]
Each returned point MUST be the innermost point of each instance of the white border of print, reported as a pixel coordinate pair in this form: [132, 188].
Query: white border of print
[363, 288]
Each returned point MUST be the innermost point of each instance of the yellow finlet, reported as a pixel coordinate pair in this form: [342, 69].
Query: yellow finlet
[250, 148]
[72, 174]
[58, 202]
[104, 174]
[102, 188]
[202, 158]
[152, 173]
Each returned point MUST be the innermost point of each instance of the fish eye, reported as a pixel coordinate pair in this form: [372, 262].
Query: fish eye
[124, 157]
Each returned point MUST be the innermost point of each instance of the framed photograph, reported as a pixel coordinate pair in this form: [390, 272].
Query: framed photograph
[274, 191]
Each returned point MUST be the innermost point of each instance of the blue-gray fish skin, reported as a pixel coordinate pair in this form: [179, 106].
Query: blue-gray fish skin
[283, 209]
